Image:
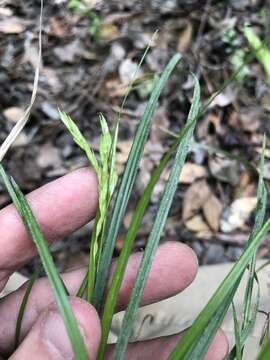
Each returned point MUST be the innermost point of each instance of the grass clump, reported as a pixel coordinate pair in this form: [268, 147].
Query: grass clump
[108, 220]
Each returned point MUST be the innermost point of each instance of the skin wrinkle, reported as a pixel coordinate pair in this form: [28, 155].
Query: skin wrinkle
[49, 346]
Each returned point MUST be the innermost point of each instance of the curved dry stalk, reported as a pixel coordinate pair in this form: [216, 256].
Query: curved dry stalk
[16, 130]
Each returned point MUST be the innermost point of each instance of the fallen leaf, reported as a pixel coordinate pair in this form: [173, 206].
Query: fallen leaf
[212, 210]
[14, 113]
[197, 224]
[128, 70]
[194, 198]
[246, 186]
[225, 169]
[224, 99]
[123, 148]
[250, 118]
[51, 79]
[237, 214]
[70, 52]
[5, 12]
[192, 172]
[58, 29]
[31, 56]
[109, 32]
[160, 123]
[12, 25]
[185, 38]
[22, 140]
[49, 156]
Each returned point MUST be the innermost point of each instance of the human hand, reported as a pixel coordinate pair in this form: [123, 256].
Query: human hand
[61, 207]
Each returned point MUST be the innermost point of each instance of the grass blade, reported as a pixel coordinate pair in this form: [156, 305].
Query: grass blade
[259, 218]
[216, 303]
[23, 307]
[209, 331]
[47, 261]
[237, 336]
[158, 226]
[262, 53]
[249, 314]
[79, 139]
[265, 352]
[128, 182]
[193, 335]
[122, 261]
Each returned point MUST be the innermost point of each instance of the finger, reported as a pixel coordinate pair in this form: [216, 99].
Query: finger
[61, 207]
[173, 269]
[161, 348]
[48, 339]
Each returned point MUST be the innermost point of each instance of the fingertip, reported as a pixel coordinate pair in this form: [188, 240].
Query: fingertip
[186, 262]
[48, 338]
[219, 347]
[174, 267]
[88, 322]
[83, 187]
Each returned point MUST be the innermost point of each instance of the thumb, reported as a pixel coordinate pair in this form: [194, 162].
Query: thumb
[48, 339]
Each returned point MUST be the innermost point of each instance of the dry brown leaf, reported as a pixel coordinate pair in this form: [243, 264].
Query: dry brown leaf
[49, 156]
[12, 25]
[127, 219]
[70, 52]
[109, 32]
[235, 216]
[212, 210]
[129, 71]
[194, 198]
[225, 169]
[192, 172]
[185, 38]
[197, 224]
[13, 113]
[225, 98]
[21, 140]
[250, 119]
[246, 187]
[58, 29]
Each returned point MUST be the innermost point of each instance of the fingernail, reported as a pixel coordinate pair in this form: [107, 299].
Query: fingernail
[55, 336]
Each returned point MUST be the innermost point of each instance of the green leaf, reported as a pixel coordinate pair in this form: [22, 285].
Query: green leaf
[79, 139]
[112, 296]
[23, 307]
[158, 226]
[128, 182]
[237, 335]
[259, 218]
[210, 329]
[193, 335]
[47, 261]
[265, 352]
[261, 52]
[249, 312]
[197, 335]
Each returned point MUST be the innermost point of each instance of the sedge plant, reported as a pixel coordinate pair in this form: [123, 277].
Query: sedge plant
[113, 200]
